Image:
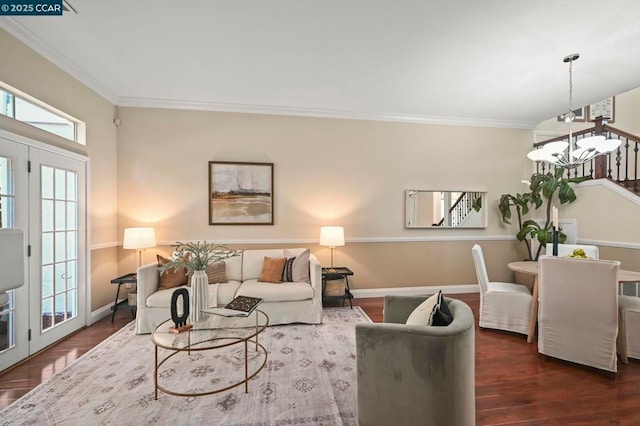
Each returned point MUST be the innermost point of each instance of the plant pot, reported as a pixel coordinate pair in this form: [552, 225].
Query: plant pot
[199, 296]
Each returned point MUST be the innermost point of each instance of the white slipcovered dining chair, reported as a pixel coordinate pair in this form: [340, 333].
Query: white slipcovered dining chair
[578, 310]
[629, 324]
[567, 249]
[503, 306]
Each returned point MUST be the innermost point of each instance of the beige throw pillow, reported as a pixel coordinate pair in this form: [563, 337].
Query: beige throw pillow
[300, 267]
[272, 269]
[422, 314]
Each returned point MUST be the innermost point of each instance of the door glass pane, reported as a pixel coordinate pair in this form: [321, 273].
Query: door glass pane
[60, 250]
[72, 273]
[60, 274]
[72, 187]
[72, 245]
[60, 283]
[47, 281]
[47, 313]
[47, 215]
[47, 182]
[60, 183]
[47, 248]
[61, 309]
[60, 215]
[7, 220]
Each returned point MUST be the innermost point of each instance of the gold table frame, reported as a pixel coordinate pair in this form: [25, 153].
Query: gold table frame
[212, 343]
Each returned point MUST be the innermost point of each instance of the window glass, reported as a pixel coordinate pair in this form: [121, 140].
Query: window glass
[31, 111]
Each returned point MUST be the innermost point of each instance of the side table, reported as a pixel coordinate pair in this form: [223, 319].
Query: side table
[337, 273]
[125, 279]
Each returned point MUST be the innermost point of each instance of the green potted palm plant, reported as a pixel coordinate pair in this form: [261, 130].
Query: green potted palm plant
[194, 257]
[542, 191]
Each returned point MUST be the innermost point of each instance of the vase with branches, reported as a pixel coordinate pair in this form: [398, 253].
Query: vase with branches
[194, 258]
[542, 192]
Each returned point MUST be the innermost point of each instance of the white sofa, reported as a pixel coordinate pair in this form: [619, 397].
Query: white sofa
[284, 303]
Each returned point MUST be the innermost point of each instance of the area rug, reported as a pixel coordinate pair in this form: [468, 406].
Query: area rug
[309, 378]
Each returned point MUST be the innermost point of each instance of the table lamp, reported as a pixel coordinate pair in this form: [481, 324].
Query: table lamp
[332, 236]
[139, 239]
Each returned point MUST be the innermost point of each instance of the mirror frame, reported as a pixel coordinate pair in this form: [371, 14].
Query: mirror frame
[411, 205]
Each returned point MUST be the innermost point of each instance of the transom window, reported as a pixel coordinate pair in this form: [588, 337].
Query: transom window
[24, 108]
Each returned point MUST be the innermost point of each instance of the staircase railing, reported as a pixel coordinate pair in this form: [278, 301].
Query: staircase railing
[619, 166]
[460, 210]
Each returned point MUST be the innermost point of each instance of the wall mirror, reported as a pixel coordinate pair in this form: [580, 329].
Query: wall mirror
[445, 209]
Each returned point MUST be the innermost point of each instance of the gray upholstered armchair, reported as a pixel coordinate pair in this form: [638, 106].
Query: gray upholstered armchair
[410, 375]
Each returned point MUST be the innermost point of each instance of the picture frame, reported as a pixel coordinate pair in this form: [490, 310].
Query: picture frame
[240, 193]
[605, 108]
[581, 115]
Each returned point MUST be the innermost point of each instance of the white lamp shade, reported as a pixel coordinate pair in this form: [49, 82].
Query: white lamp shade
[11, 258]
[139, 238]
[332, 236]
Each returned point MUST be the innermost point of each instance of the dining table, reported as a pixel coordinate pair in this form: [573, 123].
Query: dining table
[529, 267]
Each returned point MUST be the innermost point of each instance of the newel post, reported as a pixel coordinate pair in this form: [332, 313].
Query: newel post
[600, 166]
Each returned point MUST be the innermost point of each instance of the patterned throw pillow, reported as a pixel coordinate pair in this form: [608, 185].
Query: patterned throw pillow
[287, 273]
[171, 277]
[216, 272]
[272, 269]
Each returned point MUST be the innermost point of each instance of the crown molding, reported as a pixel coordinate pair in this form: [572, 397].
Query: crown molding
[126, 101]
[48, 52]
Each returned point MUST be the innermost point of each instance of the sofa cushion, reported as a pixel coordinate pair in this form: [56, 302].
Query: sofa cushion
[173, 277]
[272, 268]
[226, 293]
[283, 292]
[162, 298]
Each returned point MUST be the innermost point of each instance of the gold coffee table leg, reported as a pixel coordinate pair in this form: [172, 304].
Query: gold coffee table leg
[246, 368]
[155, 374]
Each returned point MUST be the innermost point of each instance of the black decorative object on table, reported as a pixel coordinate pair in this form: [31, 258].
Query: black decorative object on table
[180, 321]
[555, 241]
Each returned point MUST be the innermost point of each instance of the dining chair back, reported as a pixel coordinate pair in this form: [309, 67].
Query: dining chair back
[567, 249]
[578, 310]
[629, 335]
[503, 306]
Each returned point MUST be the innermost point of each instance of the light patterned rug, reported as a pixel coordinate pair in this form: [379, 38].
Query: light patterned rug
[309, 379]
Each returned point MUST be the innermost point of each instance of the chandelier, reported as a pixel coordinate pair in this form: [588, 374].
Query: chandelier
[564, 154]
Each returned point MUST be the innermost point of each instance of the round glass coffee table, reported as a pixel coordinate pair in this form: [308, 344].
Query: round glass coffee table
[213, 334]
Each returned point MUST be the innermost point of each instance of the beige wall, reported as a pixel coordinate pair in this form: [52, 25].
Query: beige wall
[29, 72]
[327, 171]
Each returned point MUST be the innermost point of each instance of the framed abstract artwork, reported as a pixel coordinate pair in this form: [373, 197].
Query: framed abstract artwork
[240, 193]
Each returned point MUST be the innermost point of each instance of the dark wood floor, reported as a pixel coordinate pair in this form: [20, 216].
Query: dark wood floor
[513, 384]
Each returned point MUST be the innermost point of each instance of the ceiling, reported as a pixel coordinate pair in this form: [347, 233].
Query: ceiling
[463, 62]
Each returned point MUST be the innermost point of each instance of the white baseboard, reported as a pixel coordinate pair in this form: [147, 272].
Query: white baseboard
[414, 291]
[102, 312]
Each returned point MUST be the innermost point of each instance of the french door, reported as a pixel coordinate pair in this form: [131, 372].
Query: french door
[14, 213]
[50, 207]
[58, 243]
